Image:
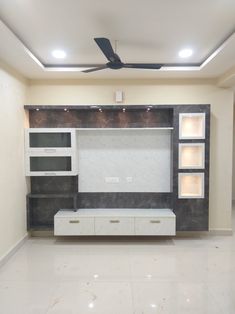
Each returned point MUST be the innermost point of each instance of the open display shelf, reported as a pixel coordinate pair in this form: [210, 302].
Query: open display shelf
[191, 185]
[48, 195]
[191, 156]
[192, 126]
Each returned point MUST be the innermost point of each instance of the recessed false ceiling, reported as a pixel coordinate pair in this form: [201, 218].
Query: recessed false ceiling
[150, 31]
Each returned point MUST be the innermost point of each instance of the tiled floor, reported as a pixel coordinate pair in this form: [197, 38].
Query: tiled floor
[142, 276]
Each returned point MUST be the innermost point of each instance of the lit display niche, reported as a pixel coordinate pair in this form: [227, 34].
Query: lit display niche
[192, 126]
[191, 156]
[191, 185]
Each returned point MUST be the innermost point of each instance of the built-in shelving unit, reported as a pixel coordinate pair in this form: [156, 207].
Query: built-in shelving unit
[51, 160]
[191, 155]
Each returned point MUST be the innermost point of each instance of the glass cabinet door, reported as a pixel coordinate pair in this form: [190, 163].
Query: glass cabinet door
[55, 163]
[40, 140]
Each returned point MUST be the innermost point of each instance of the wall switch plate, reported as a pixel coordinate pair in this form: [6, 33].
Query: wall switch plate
[119, 96]
[112, 179]
[129, 179]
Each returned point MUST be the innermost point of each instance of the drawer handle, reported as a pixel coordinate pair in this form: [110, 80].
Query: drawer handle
[50, 174]
[74, 221]
[49, 150]
[155, 221]
[114, 221]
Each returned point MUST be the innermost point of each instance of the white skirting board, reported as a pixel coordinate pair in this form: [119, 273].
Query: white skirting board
[13, 249]
[214, 232]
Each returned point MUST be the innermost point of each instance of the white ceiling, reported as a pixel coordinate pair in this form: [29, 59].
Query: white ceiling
[145, 31]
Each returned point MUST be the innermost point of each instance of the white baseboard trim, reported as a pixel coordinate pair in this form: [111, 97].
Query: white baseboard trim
[215, 232]
[221, 232]
[13, 249]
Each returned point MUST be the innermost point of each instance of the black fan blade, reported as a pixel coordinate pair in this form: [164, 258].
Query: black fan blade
[150, 66]
[105, 45]
[102, 67]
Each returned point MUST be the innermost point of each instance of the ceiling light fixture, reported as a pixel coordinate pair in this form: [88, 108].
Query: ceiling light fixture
[58, 54]
[185, 53]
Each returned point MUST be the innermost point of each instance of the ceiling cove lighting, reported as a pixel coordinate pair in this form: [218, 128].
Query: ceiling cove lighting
[58, 54]
[185, 53]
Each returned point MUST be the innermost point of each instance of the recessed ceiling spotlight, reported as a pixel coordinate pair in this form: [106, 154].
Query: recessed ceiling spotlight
[37, 109]
[58, 54]
[100, 110]
[123, 109]
[185, 53]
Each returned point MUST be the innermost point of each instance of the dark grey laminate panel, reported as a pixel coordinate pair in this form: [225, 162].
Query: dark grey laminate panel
[54, 184]
[125, 200]
[105, 119]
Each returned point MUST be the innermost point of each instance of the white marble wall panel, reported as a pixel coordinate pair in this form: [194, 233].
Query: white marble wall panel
[124, 160]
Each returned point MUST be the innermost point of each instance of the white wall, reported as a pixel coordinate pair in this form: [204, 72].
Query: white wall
[12, 180]
[233, 196]
[172, 92]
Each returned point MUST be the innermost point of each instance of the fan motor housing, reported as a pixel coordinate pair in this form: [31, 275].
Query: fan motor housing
[115, 65]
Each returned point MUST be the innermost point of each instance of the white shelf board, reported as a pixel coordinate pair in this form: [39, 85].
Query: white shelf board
[116, 212]
[124, 129]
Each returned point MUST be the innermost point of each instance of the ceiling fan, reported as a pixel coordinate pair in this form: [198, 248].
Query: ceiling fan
[115, 62]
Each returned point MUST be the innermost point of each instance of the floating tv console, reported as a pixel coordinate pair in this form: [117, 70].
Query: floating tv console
[51, 155]
[115, 221]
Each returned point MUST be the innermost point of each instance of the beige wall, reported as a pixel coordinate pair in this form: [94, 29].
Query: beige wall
[233, 196]
[171, 92]
[12, 180]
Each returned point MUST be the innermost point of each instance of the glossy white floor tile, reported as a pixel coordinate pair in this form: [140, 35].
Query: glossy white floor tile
[121, 276]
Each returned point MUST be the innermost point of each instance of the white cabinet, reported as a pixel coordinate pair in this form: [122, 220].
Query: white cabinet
[115, 221]
[50, 152]
[192, 126]
[114, 226]
[155, 226]
[72, 225]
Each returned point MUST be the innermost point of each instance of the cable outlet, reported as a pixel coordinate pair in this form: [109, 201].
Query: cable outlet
[112, 179]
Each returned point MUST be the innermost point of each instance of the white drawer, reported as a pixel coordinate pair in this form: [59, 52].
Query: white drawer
[114, 226]
[74, 226]
[155, 226]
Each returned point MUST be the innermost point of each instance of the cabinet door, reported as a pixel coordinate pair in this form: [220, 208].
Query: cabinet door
[114, 226]
[50, 140]
[155, 226]
[74, 226]
[44, 165]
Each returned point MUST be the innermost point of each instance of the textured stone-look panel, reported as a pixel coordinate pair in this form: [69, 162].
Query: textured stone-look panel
[105, 119]
[124, 200]
[54, 184]
[41, 211]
